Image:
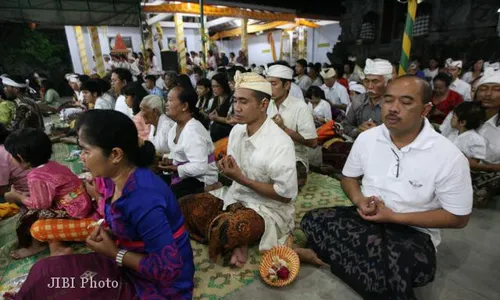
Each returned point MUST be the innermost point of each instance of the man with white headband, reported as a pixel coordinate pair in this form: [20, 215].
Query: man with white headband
[74, 83]
[293, 116]
[486, 179]
[365, 110]
[335, 93]
[28, 114]
[458, 85]
[261, 162]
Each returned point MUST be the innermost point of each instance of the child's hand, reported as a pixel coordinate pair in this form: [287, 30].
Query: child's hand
[13, 196]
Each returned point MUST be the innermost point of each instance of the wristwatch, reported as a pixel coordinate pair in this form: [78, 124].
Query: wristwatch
[119, 257]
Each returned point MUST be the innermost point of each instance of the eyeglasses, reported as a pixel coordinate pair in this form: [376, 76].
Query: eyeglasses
[397, 162]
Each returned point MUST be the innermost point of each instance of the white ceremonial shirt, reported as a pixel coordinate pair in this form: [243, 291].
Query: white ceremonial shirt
[432, 173]
[317, 82]
[322, 110]
[159, 137]
[470, 143]
[267, 156]
[337, 94]
[491, 134]
[197, 61]
[303, 82]
[105, 102]
[122, 107]
[298, 117]
[430, 74]
[192, 152]
[445, 127]
[463, 88]
[296, 91]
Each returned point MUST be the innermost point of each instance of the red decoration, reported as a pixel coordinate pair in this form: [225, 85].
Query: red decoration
[120, 46]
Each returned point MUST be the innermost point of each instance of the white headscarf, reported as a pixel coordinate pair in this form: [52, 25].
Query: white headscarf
[9, 82]
[454, 63]
[280, 71]
[328, 73]
[252, 81]
[378, 67]
[495, 66]
[489, 76]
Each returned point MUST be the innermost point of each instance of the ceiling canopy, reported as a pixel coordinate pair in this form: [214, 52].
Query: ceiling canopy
[71, 12]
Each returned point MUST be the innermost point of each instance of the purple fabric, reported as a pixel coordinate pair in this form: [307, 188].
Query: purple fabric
[175, 177]
[146, 212]
[82, 276]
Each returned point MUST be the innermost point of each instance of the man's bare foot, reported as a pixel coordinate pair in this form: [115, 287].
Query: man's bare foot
[213, 187]
[239, 257]
[27, 252]
[57, 249]
[308, 256]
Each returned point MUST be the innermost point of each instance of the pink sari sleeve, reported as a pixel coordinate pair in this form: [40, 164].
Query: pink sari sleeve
[42, 194]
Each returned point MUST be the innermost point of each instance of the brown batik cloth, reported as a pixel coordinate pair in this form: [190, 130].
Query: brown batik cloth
[222, 230]
[485, 185]
[28, 217]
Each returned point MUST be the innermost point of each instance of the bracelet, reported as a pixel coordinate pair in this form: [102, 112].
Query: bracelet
[119, 257]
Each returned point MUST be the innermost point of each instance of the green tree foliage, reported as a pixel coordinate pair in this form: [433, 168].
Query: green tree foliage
[24, 51]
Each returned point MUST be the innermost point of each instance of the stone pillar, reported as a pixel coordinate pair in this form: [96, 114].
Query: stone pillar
[96, 46]
[81, 49]
[181, 46]
[244, 38]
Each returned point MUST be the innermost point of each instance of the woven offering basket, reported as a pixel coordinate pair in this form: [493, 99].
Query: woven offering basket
[288, 255]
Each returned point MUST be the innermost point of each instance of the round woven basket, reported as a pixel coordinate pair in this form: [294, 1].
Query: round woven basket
[288, 255]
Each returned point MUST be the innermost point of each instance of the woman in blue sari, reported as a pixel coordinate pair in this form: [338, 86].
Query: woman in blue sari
[142, 249]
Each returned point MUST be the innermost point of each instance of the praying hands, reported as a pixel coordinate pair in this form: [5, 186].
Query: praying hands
[230, 168]
[376, 211]
[279, 121]
[366, 125]
[167, 165]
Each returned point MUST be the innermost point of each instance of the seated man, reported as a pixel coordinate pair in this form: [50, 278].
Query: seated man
[293, 116]
[414, 182]
[335, 92]
[261, 163]
[364, 112]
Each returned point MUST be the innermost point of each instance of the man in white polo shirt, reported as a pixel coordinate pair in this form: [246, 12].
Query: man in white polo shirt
[335, 93]
[458, 85]
[414, 181]
[293, 116]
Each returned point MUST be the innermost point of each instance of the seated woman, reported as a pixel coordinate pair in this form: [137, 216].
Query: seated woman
[54, 191]
[443, 99]
[219, 127]
[11, 174]
[191, 148]
[153, 112]
[134, 94]
[205, 100]
[145, 252]
[50, 97]
[322, 110]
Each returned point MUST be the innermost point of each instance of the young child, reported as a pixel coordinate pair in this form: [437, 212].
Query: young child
[467, 118]
[54, 191]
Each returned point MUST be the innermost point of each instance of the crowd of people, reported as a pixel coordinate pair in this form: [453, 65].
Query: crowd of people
[220, 153]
